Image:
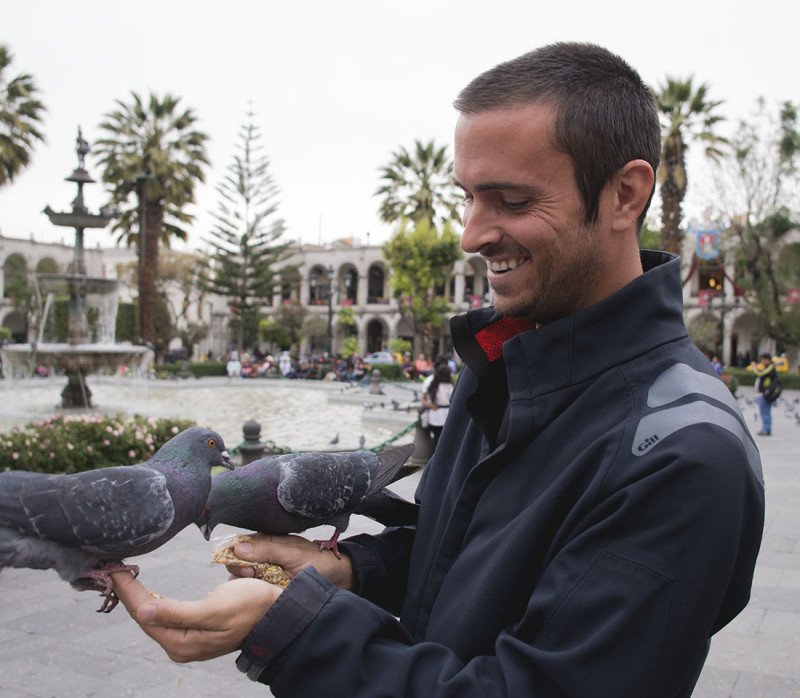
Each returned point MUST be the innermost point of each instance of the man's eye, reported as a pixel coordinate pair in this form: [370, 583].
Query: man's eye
[515, 205]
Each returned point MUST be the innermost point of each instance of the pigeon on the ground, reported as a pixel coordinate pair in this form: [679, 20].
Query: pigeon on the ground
[84, 524]
[334, 440]
[293, 492]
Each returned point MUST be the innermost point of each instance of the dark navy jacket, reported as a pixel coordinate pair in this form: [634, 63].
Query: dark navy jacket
[592, 515]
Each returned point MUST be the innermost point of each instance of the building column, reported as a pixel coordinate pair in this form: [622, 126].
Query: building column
[361, 296]
[460, 283]
[305, 291]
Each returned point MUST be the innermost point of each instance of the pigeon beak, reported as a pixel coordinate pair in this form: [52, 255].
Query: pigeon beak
[205, 530]
[227, 462]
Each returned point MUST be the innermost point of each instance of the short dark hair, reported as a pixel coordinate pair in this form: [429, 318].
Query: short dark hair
[606, 115]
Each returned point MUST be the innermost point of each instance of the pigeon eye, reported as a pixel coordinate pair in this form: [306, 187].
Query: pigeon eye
[212, 443]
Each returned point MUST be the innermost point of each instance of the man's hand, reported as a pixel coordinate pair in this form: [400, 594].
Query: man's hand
[294, 554]
[198, 630]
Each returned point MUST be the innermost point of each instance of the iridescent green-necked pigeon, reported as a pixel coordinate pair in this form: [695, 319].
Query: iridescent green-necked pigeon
[84, 524]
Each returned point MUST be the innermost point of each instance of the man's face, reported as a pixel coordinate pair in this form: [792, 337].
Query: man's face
[524, 215]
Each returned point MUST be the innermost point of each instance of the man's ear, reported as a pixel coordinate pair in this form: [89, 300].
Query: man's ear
[631, 189]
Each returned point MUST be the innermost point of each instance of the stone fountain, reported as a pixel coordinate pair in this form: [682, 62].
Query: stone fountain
[79, 355]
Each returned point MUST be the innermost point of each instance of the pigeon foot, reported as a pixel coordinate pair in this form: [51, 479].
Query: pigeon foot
[330, 545]
[101, 581]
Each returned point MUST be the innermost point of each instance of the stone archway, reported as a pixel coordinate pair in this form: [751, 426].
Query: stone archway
[15, 271]
[17, 323]
[376, 284]
[377, 336]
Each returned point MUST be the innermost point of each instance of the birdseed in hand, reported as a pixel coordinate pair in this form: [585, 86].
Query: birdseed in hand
[223, 554]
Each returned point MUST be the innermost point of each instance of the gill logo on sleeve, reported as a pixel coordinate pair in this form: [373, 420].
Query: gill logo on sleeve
[666, 418]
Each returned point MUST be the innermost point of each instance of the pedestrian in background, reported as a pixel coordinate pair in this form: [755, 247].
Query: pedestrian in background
[437, 400]
[768, 387]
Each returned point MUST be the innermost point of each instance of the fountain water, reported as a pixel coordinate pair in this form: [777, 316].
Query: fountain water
[79, 355]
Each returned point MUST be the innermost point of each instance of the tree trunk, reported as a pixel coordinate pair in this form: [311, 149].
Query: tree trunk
[147, 284]
[673, 189]
[671, 215]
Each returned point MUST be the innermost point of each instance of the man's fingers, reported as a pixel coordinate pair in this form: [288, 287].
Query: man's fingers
[256, 547]
[146, 608]
[130, 591]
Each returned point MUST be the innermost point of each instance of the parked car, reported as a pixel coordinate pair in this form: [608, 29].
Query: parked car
[781, 364]
[380, 357]
[173, 356]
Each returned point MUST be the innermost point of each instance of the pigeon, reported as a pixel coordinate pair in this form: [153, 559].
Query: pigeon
[389, 509]
[361, 441]
[84, 524]
[334, 440]
[292, 492]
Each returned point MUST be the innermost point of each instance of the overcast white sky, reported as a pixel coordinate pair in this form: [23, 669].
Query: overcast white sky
[338, 86]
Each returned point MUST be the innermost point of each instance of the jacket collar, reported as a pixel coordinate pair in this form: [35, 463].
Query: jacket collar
[579, 346]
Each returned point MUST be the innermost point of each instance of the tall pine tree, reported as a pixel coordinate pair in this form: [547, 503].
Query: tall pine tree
[246, 237]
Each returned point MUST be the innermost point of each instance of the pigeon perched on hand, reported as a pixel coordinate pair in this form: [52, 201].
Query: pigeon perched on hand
[84, 524]
[293, 492]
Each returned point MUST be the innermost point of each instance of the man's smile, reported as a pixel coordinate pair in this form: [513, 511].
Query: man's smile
[505, 264]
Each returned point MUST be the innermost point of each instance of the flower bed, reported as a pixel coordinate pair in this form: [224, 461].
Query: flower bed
[70, 444]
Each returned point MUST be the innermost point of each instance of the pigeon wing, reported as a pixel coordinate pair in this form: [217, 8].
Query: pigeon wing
[322, 485]
[109, 511]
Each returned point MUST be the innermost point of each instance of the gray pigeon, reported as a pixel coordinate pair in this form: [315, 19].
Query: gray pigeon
[293, 492]
[82, 525]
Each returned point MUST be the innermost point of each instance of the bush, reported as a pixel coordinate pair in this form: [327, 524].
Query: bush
[197, 369]
[208, 368]
[391, 372]
[790, 381]
[62, 444]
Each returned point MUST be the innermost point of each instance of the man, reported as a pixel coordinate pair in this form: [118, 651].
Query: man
[768, 380]
[594, 509]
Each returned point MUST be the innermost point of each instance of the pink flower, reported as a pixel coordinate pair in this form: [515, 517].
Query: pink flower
[15, 456]
[131, 454]
[89, 449]
[53, 455]
[106, 443]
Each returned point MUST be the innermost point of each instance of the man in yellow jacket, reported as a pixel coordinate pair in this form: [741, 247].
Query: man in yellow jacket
[767, 380]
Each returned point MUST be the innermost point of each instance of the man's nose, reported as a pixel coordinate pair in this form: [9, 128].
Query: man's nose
[480, 228]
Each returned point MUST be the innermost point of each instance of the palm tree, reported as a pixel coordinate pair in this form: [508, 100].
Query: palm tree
[20, 115]
[688, 115]
[419, 187]
[152, 152]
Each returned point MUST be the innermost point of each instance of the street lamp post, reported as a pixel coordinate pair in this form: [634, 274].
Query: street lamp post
[141, 191]
[330, 311]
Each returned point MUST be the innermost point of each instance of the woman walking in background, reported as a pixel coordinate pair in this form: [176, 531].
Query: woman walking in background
[437, 399]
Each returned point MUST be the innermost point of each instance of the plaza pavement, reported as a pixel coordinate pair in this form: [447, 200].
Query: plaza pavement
[53, 644]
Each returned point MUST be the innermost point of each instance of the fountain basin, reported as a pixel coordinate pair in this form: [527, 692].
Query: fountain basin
[75, 361]
[74, 357]
[66, 284]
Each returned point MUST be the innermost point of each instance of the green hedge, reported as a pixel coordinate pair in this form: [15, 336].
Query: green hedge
[197, 369]
[62, 444]
[391, 372]
[790, 381]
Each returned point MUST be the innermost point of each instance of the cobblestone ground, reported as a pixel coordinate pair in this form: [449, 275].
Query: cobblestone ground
[52, 643]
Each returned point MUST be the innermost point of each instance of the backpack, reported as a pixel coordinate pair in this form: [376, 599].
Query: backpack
[773, 388]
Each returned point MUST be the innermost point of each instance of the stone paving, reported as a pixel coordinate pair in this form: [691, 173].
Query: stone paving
[53, 644]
